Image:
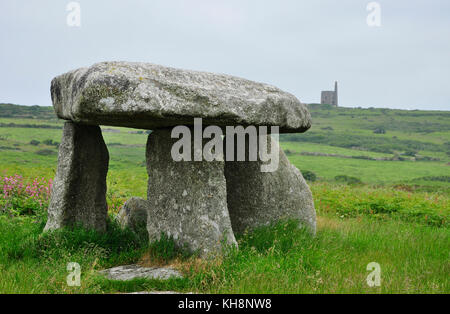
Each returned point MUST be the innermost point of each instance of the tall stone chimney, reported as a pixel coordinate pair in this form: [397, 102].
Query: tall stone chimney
[335, 93]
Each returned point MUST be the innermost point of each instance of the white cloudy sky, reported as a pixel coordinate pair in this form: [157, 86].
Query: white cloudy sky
[299, 46]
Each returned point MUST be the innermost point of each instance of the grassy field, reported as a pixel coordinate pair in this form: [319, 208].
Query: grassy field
[396, 215]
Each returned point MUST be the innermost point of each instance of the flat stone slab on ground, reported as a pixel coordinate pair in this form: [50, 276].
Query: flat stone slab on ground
[130, 272]
[150, 96]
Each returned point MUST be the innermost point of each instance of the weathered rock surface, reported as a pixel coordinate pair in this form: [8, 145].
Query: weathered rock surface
[188, 200]
[79, 189]
[130, 272]
[149, 96]
[133, 214]
[258, 198]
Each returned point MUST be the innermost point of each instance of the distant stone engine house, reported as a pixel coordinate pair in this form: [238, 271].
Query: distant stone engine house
[330, 97]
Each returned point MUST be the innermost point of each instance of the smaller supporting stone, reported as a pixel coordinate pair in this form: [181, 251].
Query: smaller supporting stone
[188, 199]
[133, 214]
[258, 198]
[79, 189]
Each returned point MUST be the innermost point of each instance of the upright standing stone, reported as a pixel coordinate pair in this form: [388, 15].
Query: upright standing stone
[258, 198]
[187, 199]
[79, 189]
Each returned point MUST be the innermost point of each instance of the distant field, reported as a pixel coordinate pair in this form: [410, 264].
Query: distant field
[349, 134]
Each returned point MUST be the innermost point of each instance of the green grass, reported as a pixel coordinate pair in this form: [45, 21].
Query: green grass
[398, 217]
[369, 171]
[282, 259]
[32, 262]
[414, 258]
[407, 233]
[380, 203]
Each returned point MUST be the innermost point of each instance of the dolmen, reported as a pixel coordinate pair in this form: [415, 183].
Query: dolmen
[214, 165]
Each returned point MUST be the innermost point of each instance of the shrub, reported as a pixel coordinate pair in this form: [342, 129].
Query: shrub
[34, 142]
[347, 179]
[309, 175]
[379, 131]
[51, 143]
[426, 158]
[411, 153]
[435, 178]
[396, 157]
[45, 152]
